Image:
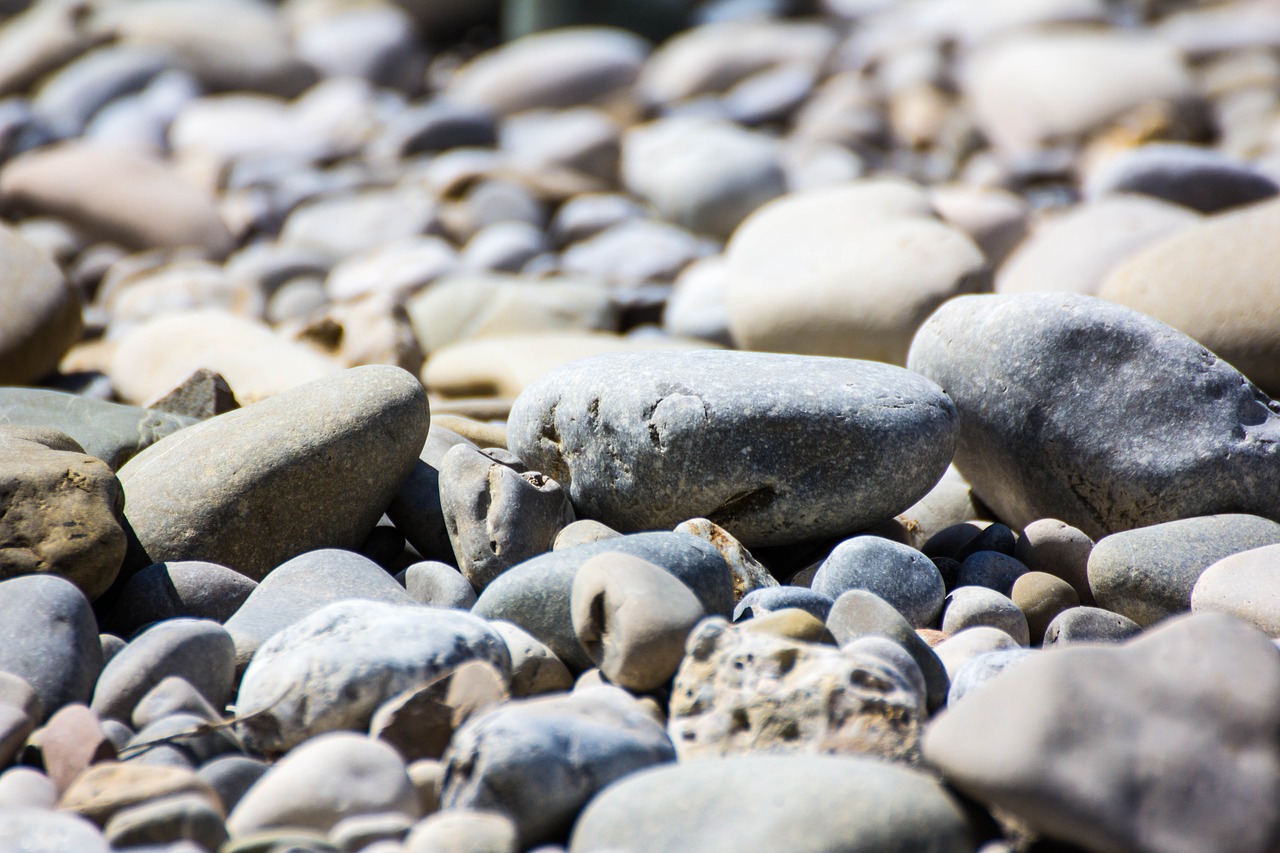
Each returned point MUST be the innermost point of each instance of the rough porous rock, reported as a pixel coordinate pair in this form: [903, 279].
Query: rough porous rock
[332, 669]
[39, 312]
[61, 510]
[49, 638]
[1148, 574]
[899, 574]
[313, 467]
[1245, 585]
[1018, 744]
[774, 448]
[741, 691]
[536, 595]
[198, 650]
[1085, 411]
[749, 574]
[850, 804]
[539, 761]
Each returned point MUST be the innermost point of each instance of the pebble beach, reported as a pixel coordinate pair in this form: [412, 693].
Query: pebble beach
[737, 426]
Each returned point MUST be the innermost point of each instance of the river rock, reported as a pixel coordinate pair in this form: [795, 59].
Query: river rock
[748, 573]
[536, 594]
[899, 574]
[852, 804]
[1041, 597]
[1018, 744]
[1056, 548]
[110, 787]
[49, 638]
[1199, 178]
[181, 588]
[1148, 574]
[1174, 431]
[1089, 625]
[464, 831]
[198, 650]
[439, 585]
[535, 668]
[637, 459]
[969, 606]
[39, 312]
[333, 668]
[310, 468]
[115, 194]
[758, 602]
[1243, 585]
[866, 263]
[169, 821]
[62, 510]
[740, 691]
[231, 776]
[982, 668]
[539, 761]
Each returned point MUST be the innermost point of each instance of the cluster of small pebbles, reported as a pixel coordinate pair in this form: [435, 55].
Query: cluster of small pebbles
[444, 426]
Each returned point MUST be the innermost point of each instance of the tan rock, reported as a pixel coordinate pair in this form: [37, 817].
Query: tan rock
[111, 786]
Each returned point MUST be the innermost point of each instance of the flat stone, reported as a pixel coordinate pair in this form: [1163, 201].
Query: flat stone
[49, 638]
[198, 650]
[539, 761]
[536, 594]
[62, 510]
[1148, 574]
[190, 588]
[1174, 432]
[899, 574]
[39, 312]
[1199, 178]
[1242, 585]
[172, 695]
[420, 722]
[70, 741]
[852, 804]
[1018, 744]
[649, 452]
[314, 467]
[332, 669]
[330, 778]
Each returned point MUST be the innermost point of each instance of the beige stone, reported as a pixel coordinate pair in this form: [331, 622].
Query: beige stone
[110, 787]
[39, 312]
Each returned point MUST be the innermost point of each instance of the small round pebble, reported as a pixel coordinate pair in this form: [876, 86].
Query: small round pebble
[1042, 596]
[971, 606]
[1089, 625]
[899, 574]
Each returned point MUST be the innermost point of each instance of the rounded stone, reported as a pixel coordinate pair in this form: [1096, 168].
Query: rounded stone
[899, 574]
[990, 569]
[197, 650]
[535, 669]
[759, 602]
[1089, 625]
[957, 650]
[188, 817]
[1245, 585]
[581, 532]
[1041, 597]
[1056, 548]
[313, 467]
[981, 669]
[1199, 178]
[49, 638]
[39, 312]
[230, 776]
[110, 787]
[639, 441]
[190, 588]
[439, 585]
[48, 831]
[631, 618]
[463, 831]
[971, 606]
[327, 779]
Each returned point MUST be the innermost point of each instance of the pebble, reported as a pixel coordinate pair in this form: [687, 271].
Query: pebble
[110, 787]
[748, 573]
[635, 461]
[70, 742]
[49, 638]
[1162, 411]
[899, 574]
[582, 532]
[190, 818]
[1148, 574]
[971, 606]
[189, 588]
[1056, 548]
[535, 669]
[28, 789]
[982, 668]
[231, 776]
[439, 585]
[957, 650]
[173, 694]
[463, 831]
[1041, 597]
[1089, 625]
[759, 602]
[1242, 585]
[41, 315]
[47, 831]
[1194, 177]
[990, 569]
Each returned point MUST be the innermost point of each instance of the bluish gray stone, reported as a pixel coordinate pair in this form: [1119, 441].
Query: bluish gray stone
[535, 594]
[852, 805]
[181, 588]
[539, 761]
[776, 449]
[68, 99]
[1089, 625]
[1082, 410]
[981, 669]
[1148, 574]
[771, 598]
[197, 650]
[990, 569]
[49, 637]
[898, 573]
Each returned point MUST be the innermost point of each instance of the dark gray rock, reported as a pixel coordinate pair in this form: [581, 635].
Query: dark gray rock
[853, 805]
[761, 601]
[201, 395]
[990, 569]
[1200, 178]
[1202, 691]
[539, 761]
[1089, 625]
[994, 537]
[439, 585]
[435, 126]
[49, 637]
[898, 573]
[181, 588]
[774, 448]
[498, 512]
[231, 776]
[1082, 410]
[1148, 574]
[312, 467]
[302, 586]
[535, 594]
[112, 432]
[332, 669]
[197, 650]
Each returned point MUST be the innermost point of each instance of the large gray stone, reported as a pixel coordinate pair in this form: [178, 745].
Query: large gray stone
[1148, 574]
[112, 432]
[774, 448]
[819, 804]
[331, 670]
[1077, 409]
[39, 312]
[49, 637]
[535, 595]
[1166, 743]
[312, 467]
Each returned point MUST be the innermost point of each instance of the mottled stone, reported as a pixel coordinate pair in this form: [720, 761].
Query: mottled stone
[900, 575]
[420, 721]
[748, 573]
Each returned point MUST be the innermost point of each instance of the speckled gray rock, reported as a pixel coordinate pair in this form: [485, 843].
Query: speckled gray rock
[195, 649]
[761, 601]
[49, 638]
[539, 761]
[302, 586]
[854, 805]
[61, 510]
[312, 467]
[1199, 178]
[1148, 574]
[1244, 585]
[536, 594]
[112, 432]
[968, 606]
[181, 588]
[1019, 744]
[899, 574]
[1089, 625]
[1173, 431]
[982, 668]
[741, 691]
[332, 669]
[497, 511]
[640, 440]
[439, 585]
